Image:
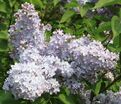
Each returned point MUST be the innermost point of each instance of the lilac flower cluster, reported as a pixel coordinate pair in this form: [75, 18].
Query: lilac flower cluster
[29, 79]
[35, 73]
[86, 56]
[90, 57]
[27, 31]
[109, 98]
[82, 2]
[42, 64]
[103, 98]
[100, 11]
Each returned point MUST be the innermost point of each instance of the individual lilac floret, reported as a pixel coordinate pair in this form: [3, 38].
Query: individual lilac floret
[27, 30]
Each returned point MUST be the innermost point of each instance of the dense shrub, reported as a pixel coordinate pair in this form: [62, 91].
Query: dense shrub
[60, 52]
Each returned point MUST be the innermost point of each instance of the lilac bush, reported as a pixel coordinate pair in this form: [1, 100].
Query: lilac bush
[65, 61]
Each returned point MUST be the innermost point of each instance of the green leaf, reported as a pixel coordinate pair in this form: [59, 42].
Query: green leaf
[40, 100]
[6, 98]
[65, 99]
[98, 86]
[116, 45]
[115, 87]
[38, 3]
[104, 26]
[3, 45]
[67, 15]
[3, 35]
[99, 36]
[56, 2]
[116, 26]
[90, 23]
[72, 4]
[3, 7]
[102, 3]
[120, 13]
[84, 9]
[3, 26]
[12, 2]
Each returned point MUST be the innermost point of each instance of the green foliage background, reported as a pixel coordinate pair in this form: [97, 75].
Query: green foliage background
[63, 16]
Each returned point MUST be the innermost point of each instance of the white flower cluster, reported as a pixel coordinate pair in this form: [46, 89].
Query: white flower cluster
[35, 75]
[83, 2]
[86, 56]
[27, 31]
[109, 98]
[63, 68]
[103, 98]
[45, 66]
[58, 45]
[29, 81]
[90, 57]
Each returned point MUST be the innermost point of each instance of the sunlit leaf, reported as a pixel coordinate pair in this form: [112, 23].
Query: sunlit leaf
[84, 9]
[3, 7]
[3, 35]
[98, 86]
[116, 26]
[67, 15]
[65, 99]
[55, 2]
[102, 3]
